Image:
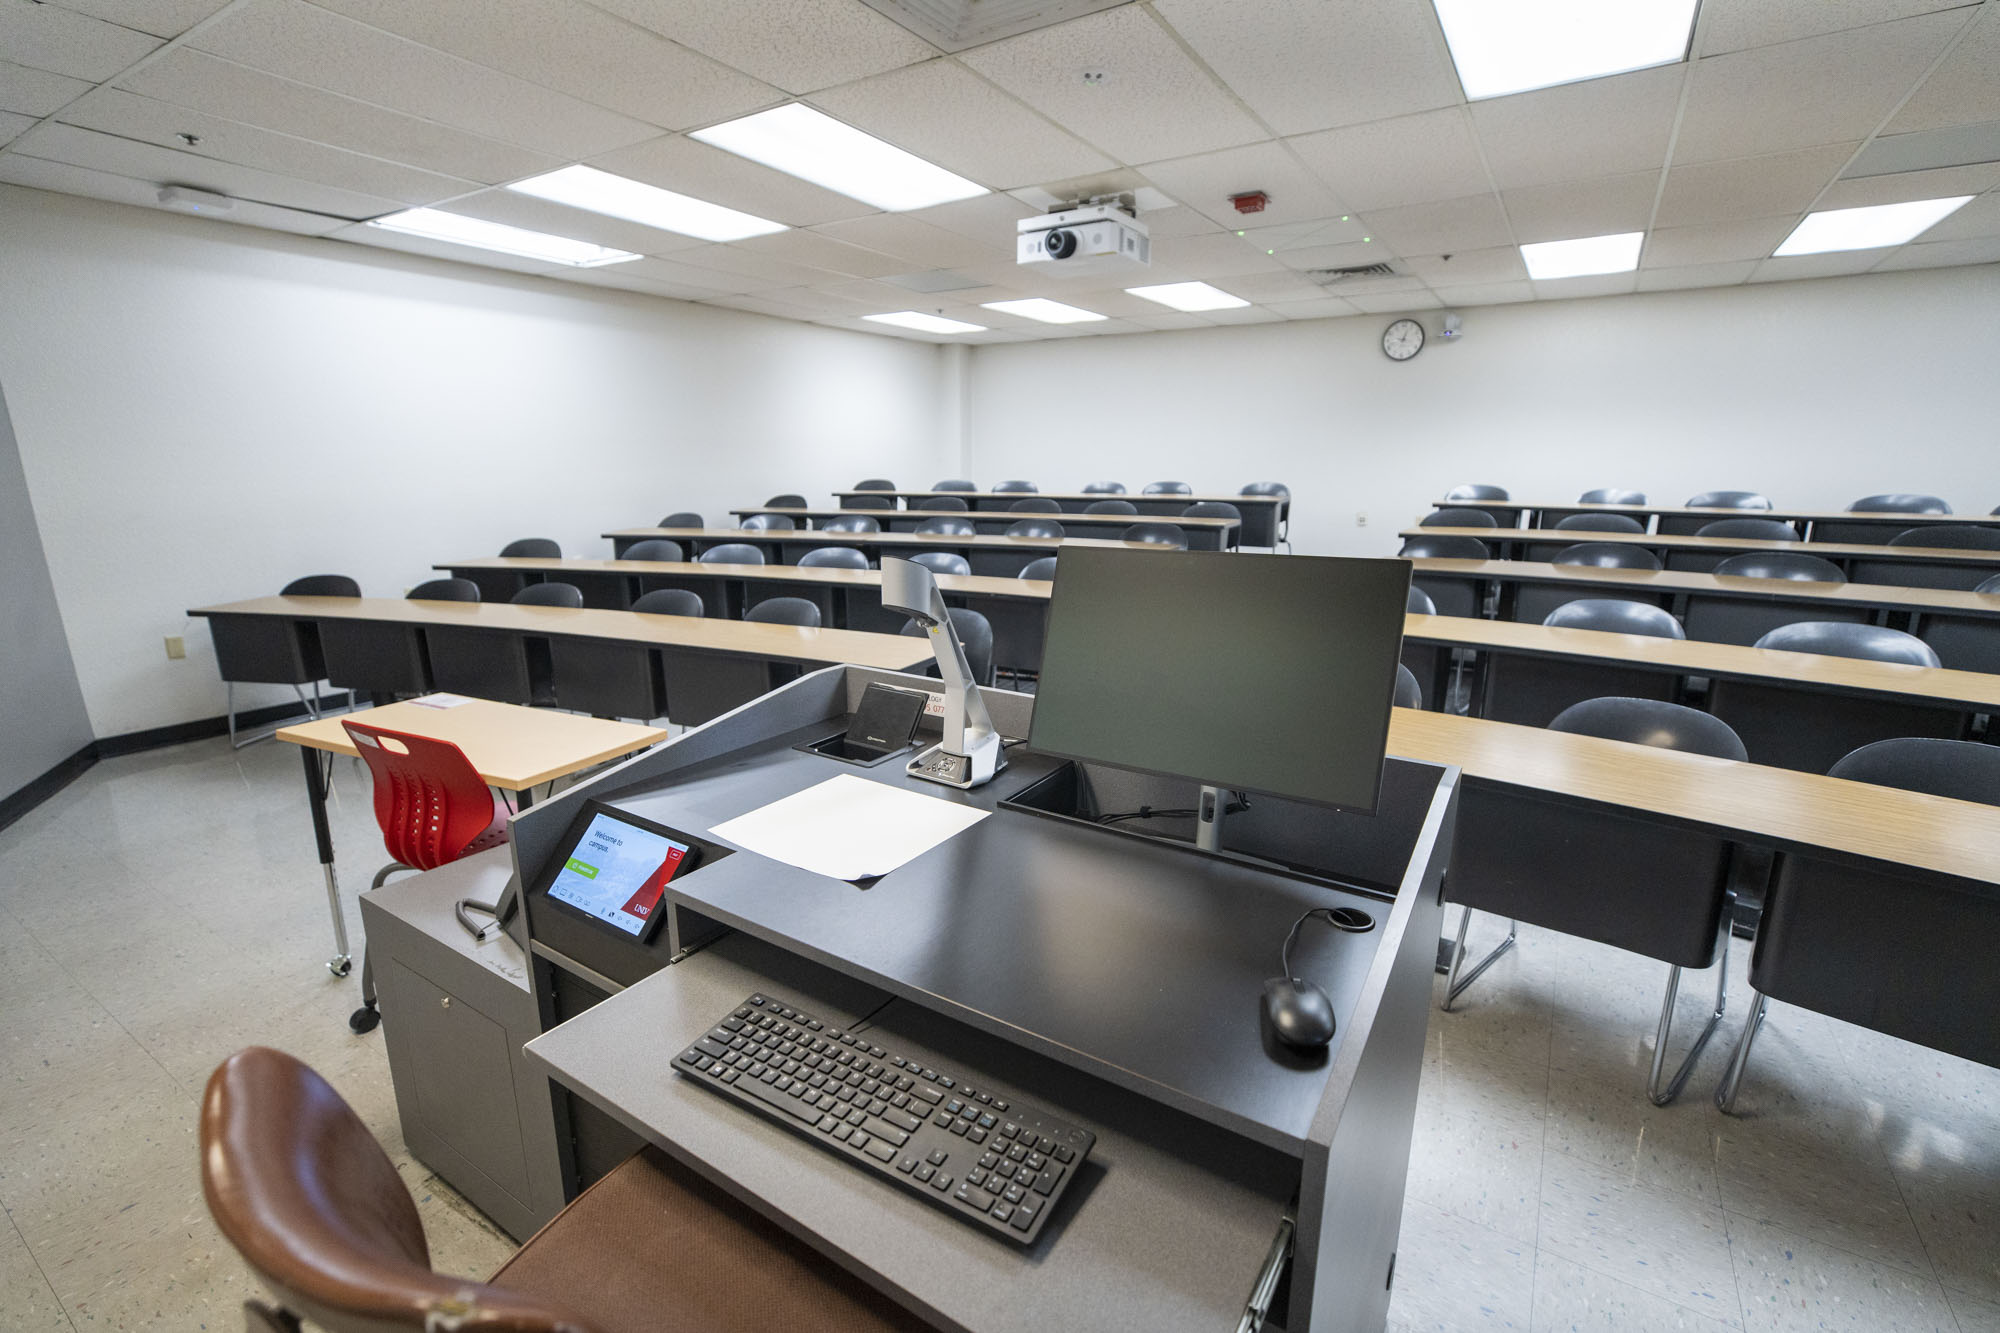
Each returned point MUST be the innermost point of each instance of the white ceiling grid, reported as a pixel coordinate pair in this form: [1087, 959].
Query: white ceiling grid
[319, 114]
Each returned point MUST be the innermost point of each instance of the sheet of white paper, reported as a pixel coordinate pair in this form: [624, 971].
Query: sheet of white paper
[440, 701]
[848, 827]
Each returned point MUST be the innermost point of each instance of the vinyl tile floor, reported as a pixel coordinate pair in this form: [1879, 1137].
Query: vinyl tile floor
[166, 909]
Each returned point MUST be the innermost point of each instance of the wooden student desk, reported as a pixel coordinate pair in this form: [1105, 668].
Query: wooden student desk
[987, 554]
[1862, 562]
[1817, 525]
[1203, 534]
[1263, 515]
[514, 748]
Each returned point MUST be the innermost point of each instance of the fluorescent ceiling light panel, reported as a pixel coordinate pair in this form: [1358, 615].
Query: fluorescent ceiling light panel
[1867, 228]
[802, 142]
[916, 319]
[1510, 46]
[615, 196]
[1189, 296]
[1582, 257]
[483, 235]
[1049, 312]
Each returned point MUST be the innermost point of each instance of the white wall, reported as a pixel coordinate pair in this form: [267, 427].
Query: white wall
[206, 411]
[1815, 393]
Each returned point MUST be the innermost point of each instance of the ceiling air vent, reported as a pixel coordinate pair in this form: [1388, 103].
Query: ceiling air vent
[1327, 277]
[955, 25]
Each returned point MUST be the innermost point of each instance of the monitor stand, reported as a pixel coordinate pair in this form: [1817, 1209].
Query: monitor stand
[1209, 810]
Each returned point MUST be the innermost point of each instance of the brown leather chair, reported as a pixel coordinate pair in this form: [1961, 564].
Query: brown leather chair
[303, 1191]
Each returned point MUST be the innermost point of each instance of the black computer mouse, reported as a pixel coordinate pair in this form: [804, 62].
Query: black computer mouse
[1300, 1012]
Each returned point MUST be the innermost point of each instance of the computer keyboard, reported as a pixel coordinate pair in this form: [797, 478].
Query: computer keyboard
[987, 1159]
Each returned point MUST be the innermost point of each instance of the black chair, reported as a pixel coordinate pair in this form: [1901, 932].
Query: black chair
[686, 518]
[445, 590]
[1533, 690]
[1104, 488]
[942, 562]
[1445, 548]
[975, 633]
[321, 585]
[1265, 528]
[1111, 507]
[1426, 661]
[1901, 951]
[606, 678]
[1042, 568]
[656, 548]
[532, 548]
[1611, 495]
[1452, 596]
[1035, 506]
[1036, 527]
[263, 650]
[1167, 488]
[1534, 601]
[549, 594]
[1811, 731]
[784, 611]
[1682, 524]
[1409, 694]
[833, 557]
[1419, 602]
[947, 527]
[1583, 523]
[875, 484]
[1750, 529]
[851, 523]
[1950, 537]
[495, 664]
[787, 501]
[955, 484]
[950, 503]
[1779, 565]
[731, 553]
[1157, 534]
[1473, 491]
[1012, 487]
[769, 523]
[1899, 502]
[869, 502]
[1965, 643]
[1458, 518]
[1213, 509]
[383, 660]
[1649, 888]
[671, 602]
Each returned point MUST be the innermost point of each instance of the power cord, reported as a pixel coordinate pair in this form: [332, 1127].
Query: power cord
[1352, 920]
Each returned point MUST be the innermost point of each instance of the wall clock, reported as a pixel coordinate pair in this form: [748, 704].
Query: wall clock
[1403, 340]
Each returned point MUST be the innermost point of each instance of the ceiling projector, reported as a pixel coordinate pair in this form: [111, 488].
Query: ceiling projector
[1084, 238]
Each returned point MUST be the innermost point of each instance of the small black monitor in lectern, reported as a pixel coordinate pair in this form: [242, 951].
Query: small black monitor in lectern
[1251, 673]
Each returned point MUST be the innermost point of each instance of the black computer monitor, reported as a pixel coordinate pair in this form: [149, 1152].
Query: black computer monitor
[1262, 673]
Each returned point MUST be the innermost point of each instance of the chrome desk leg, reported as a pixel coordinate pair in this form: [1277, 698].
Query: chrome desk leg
[1452, 985]
[1653, 1090]
[1725, 1091]
[341, 963]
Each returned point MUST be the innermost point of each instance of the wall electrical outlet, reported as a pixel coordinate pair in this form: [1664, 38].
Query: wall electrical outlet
[1360, 520]
[177, 648]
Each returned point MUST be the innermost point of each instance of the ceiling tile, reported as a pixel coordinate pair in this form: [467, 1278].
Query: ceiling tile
[798, 45]
[1965, 87]
[300, 41]
[1155, 101]
[697, 283]
[11, 125]
[1582, 208]
[235, 92]
[1178, 221]
[1751, 187]
[685, 165]
[1349, 254]
[761, 304]
[1324, 307]
[1168, 320]
[752, 264]
[988, 217]
[1393, 303]
[1816, 91]
[619, 278]
[376, 238]
[1838, 263]
[821, 301]
[1271, 288]
[1598, 128]
[1204, 183]
[919, 244]
[575, 49]
[64, 42]
[1716, 243]
[1502, 263]
[1979, 218]
[1939, 254]
[36, 92]
[1348, 288]
[525, 210]
[1306, 65]
[946, 114]
[1486, 293]
[161, 18]
[133, 117]
[1409, 160]
[800, 246]
[1731, 25]
[1944, 183]
[1925, 150]
[1220, 254]
[1597, 284]
[1696, 275]
[126, 157]
[41, 174]
[1472, 223]
[1249, 314]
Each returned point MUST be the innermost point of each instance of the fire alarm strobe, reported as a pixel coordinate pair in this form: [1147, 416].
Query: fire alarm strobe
[1084, 238]
[1251, 202]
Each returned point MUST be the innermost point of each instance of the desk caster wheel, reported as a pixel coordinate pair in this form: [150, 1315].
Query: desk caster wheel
[364, 1019]
[340, 965]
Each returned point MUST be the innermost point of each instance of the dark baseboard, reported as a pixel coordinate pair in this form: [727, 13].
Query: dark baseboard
[154, 738]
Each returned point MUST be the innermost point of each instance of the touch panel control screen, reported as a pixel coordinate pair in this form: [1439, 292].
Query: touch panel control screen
[618, 873]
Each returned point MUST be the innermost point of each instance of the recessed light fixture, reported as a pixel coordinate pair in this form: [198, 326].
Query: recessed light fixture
[1511, 46]
[917, 319]
[1049, 312]
[481, 234]
[1584, 256]
[1867, 228]
[1189, 296]
[635, 201]
[802, 142]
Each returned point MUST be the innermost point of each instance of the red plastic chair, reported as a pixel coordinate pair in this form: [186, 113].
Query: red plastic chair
[433, 808]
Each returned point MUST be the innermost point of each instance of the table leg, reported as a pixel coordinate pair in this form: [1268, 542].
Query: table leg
[341, 963]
